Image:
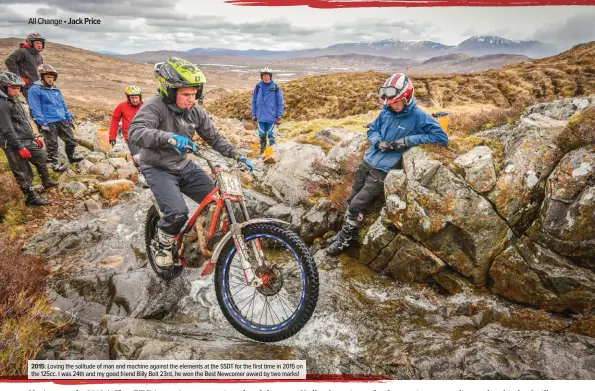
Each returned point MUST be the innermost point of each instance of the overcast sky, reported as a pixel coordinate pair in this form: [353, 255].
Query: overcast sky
[129, 26]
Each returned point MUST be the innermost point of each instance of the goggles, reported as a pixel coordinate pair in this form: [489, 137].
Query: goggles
[388, 92]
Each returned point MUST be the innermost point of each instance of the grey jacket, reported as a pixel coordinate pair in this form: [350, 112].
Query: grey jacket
[24, 62]
[157, 121]
[14, 124]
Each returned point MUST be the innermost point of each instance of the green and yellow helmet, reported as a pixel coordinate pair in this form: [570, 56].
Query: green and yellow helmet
[178, 73]
[133, 90]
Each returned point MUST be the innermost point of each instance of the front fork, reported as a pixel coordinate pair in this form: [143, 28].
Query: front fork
[236, 233]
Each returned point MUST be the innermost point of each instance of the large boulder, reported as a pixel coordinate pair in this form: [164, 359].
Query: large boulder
[531, 274]
[319, 219]
[566, 223]
[292, 215]
[397, 256]
[141, 294]
[288, 179]
[111, 189]
[75, 188]
[437, 208]
[85, 166]
[103, 170]
[561, 109]
[257, 203]
[478, 168]
[347, 145]
[101, 141]
[533, 149]
[117, 162]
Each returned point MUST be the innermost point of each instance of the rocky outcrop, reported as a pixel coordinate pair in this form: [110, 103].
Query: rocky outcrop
[287, 180]
[529, 273]
[532, 151]
[438, 209]
[468, 229]
[566, 222]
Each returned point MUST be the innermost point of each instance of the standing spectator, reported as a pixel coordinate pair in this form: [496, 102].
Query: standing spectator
[267, 107]
[25, 60]
[125, 112]
[51, 113]
[21, 146]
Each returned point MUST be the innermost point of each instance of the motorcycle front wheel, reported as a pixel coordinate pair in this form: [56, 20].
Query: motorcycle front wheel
[286, 300]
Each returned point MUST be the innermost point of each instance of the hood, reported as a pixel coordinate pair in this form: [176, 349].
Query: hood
[3, 95]
[25, 45]
[406, 111]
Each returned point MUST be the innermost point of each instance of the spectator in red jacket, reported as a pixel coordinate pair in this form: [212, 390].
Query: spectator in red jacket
[126, 111]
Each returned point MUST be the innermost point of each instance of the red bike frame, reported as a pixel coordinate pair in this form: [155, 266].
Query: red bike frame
[219, 200]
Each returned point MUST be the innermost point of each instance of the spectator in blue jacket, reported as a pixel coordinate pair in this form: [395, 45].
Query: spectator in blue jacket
[52, 116]
[267, 107]
[400, 125]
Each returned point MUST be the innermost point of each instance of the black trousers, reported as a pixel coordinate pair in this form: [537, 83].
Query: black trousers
[168, 187]
[62, 130]
[21, 168]
[368, 185]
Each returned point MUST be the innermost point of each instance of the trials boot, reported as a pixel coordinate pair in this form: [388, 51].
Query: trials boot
[56, 167]
[343, 238]
[47, 185]
[72, 159]
[164, 256]
[32, 199]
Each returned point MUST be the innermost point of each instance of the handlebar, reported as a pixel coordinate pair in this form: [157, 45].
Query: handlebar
[199, 153]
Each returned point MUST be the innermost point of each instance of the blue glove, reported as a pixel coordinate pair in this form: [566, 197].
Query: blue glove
[182, 143]
[246, 161]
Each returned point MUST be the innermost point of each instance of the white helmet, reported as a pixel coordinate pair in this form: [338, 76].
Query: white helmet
[266, 70]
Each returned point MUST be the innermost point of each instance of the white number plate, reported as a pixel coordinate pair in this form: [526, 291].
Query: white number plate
[231, 184]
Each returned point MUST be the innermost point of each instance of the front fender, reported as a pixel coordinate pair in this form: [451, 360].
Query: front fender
[210, 267]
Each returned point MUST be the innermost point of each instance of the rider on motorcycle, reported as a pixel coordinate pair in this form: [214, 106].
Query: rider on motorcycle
[173, 115]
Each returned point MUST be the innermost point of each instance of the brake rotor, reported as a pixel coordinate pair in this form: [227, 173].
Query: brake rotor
[272, 280]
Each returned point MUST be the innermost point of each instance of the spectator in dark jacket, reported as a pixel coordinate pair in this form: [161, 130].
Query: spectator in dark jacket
[25, 60]
[18, 141]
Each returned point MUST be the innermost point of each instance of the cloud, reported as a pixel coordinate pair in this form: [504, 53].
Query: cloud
[578, 28]
[129, 26]
[9, 17]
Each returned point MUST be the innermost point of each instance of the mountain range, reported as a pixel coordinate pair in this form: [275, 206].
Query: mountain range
[418, 50]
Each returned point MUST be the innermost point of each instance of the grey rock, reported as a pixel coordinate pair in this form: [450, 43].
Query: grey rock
[478, 166]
